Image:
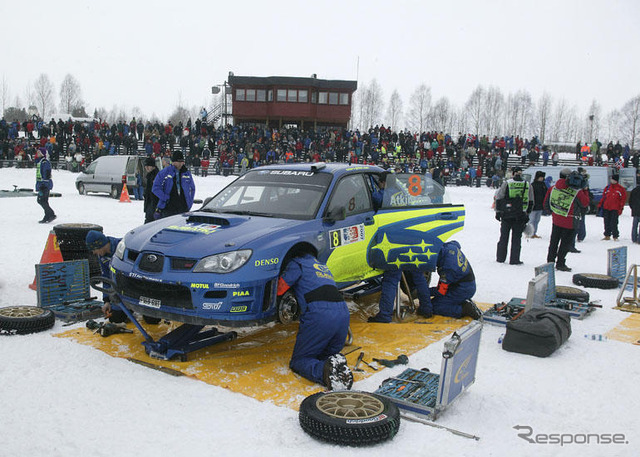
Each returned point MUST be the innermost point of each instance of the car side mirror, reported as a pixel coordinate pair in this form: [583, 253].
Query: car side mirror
[336, 214]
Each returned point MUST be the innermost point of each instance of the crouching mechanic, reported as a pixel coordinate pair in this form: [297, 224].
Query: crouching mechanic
[457, 284]
[104, 247]
[324, 323]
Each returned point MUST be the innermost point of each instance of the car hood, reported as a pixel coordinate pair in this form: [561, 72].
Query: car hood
[199, 234]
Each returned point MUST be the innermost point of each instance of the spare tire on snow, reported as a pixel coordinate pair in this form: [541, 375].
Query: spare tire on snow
[595, 280]
[349, 417]
[21, 320]
[572, 293]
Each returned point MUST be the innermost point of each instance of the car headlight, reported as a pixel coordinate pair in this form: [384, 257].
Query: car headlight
[223, 263]
[120, 249]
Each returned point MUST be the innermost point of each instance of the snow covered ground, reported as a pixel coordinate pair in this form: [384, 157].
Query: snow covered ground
[60, 398]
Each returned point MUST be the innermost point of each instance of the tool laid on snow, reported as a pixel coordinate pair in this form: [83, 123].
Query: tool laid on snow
[107, 328]
[360, 357]
[400, 360]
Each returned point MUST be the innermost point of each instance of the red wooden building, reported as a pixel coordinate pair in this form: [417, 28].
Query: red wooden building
[281, 100]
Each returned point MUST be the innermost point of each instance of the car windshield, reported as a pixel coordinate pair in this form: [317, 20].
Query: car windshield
[413, 190]
[289, 194]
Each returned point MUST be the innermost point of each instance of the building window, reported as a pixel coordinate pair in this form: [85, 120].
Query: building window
[344, 99]
[333, 98]
[261, 95]
[240, 95]
[322, 97]
[251, 95]
[302, 96]
[282, 95]
[292, 95]
[270, 96]
[314, 97]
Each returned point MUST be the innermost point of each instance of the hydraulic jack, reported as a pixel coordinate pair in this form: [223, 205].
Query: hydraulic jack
[175, 344]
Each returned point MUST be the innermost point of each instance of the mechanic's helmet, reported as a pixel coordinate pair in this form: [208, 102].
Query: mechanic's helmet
[565, 172]
[528, 230]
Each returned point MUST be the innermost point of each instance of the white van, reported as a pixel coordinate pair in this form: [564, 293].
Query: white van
[107, 173]
[598, 177]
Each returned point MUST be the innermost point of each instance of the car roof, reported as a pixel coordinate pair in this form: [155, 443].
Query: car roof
[336, 169]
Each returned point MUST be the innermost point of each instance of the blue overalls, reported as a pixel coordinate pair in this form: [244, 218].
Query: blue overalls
[324, 319]
[457, 281]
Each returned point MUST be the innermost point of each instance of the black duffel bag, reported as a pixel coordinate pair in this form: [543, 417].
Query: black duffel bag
[539, 332]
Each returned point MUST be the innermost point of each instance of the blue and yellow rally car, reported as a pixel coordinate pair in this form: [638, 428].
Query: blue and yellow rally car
[220, 264]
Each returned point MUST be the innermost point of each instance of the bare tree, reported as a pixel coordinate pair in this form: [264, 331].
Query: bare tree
[70, 94]
[475, 109]
[44, 94]
[543, 113]
[394, 110]
[494, 106]
[442, 115]
[420, 109]
[630, 121]
[371, 104]
[518, 113]
[592, 125]
[29, 95]
[4, 93]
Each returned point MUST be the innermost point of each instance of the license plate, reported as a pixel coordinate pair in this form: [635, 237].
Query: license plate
[152, 302]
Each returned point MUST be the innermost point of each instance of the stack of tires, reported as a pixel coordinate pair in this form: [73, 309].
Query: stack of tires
[71, 239]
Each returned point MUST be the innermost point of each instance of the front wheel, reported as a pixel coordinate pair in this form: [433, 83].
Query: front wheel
[81, 189]
[288, 308]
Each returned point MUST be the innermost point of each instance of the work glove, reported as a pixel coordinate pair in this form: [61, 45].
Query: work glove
[498, 217]
[157, 214]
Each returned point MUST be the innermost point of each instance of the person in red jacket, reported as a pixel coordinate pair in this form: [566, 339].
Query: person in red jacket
[561, 199]
[612, 203]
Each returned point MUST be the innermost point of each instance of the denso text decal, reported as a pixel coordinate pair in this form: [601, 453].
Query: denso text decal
[266, 262]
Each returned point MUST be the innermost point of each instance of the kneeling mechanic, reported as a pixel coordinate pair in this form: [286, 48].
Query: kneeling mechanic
[324, 323]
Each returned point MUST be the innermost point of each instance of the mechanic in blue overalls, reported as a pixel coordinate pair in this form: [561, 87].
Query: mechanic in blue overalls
[391, 278]
[456, 286]
[324, 322]
[104, 247]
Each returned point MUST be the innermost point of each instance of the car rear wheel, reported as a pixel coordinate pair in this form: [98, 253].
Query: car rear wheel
[81, 189]
[115, 191]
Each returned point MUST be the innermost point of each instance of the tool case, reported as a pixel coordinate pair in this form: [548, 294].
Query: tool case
[428, 394]
[63, 287]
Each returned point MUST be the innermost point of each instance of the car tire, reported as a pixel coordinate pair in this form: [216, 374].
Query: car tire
[71, 240]
[595, 280]
[81, 189]
[572, 293]
[115, 191]
[287, 308]
[20, 320]
[349, 418]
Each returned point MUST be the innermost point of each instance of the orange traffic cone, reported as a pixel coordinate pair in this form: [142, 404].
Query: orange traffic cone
[124, 195]
[51, 254]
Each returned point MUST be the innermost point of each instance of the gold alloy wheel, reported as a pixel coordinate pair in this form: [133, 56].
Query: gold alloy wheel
[350, 405]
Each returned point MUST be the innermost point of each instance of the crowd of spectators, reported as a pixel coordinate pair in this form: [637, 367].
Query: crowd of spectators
[464, 158]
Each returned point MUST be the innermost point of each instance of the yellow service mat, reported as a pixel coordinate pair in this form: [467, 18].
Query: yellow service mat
[257, 364]
[627, 331]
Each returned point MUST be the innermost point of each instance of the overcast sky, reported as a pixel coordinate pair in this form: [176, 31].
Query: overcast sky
[155, 55]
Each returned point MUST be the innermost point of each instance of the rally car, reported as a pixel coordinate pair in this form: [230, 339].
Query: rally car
[220, 264]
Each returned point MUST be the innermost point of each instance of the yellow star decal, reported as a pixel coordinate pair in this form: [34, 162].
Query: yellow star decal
[410, 254]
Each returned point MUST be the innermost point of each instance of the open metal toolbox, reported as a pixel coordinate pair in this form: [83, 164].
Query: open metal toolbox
[63, 287]
[428, 394]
